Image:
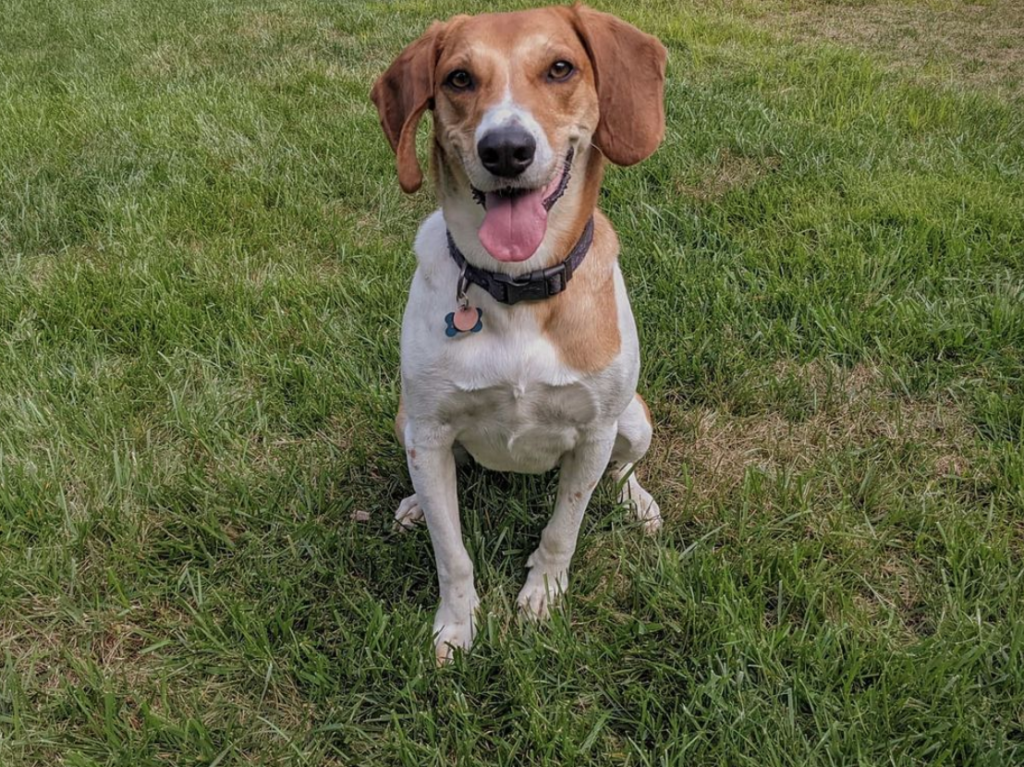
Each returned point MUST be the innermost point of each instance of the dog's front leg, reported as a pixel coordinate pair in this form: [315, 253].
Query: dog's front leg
[432, 467]
[580, 470]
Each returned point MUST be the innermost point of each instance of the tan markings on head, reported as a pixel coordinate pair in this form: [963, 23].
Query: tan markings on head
[565, 111]
[614, 97]
[509, 56]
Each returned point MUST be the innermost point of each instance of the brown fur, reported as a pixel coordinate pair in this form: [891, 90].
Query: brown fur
[618, 85]
[583, 322]
[402, 94]
[513, 51]
[629, 73]
[615, 95]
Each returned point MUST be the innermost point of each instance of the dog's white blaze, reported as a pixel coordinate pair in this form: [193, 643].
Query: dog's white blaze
[507, 113]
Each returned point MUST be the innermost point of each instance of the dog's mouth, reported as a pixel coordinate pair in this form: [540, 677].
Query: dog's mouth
[516, 220]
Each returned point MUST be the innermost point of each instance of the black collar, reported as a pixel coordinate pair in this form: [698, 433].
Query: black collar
[533, 286]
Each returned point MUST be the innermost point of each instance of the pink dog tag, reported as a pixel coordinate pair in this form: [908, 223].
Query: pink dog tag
[466, 319]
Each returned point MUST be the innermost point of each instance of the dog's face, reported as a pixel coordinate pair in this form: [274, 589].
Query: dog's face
[516, 92]
[515, 97]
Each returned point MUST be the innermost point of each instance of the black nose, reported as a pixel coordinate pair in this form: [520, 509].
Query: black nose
[507, 152]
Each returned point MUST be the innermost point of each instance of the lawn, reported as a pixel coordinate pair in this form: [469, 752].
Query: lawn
[204, 255]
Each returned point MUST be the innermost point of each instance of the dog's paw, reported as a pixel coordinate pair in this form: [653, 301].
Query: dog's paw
[453, 632]
[543, 590]
[409, 513]
[643, 508]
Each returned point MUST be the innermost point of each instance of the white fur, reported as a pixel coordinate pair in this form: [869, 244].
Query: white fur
[506, 397]
[507, 113]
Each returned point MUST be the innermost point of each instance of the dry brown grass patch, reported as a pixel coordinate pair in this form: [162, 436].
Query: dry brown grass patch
[979, 44]
[890, 594]
[50, 649]
[850, 409]
[729, 173]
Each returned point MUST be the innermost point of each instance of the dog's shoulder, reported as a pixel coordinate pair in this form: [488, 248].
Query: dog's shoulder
[434, 264]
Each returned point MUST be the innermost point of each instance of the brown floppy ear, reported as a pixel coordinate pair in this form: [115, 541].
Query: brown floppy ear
[629, 72]
[402, 94]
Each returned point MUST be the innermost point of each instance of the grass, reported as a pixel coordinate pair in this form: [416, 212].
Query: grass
[203, 261]
[939, 41]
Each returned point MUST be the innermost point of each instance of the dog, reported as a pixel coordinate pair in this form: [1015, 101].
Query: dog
[518, 344]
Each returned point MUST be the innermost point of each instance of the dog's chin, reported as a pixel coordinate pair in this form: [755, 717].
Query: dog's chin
[516, 217]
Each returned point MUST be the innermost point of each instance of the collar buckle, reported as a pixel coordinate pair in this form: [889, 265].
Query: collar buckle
[533, 286]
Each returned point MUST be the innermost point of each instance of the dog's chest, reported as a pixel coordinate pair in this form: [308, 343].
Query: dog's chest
[507, 393]
[514, 405]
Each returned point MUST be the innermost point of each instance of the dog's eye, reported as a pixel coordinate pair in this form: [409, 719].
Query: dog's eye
[560, 71]
[460, 80]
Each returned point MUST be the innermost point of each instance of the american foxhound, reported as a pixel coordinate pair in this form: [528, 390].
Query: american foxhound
[518, 342]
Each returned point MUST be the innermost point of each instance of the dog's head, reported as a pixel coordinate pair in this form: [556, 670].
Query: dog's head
[515, 97]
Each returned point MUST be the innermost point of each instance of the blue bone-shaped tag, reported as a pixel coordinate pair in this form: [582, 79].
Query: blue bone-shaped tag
[451, 330]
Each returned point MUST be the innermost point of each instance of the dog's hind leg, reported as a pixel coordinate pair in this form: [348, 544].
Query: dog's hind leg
[631, 443]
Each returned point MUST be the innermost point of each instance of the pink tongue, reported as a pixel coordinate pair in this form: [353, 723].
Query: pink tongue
[514, 227]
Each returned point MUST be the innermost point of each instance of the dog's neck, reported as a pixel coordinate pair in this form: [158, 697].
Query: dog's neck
[463, 214]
